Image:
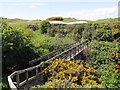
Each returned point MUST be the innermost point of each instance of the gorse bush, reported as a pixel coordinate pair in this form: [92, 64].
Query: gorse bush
[59, 18]
[72, 74]
[116, 32]
[61, 73]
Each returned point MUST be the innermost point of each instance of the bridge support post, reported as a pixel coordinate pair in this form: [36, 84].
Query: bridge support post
[18, 81]
[42, 78]
[36, 75]
[27, 82]
[75, 51]
[70, 54]
[78, 49]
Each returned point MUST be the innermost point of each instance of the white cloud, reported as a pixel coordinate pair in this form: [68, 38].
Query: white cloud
[95, 14]
[59, 0]
[30, 5]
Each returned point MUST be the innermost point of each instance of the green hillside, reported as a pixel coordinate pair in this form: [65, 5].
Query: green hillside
[70, 20]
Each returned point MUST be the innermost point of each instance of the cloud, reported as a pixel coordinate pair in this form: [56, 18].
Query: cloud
[60, 1]
[34, 5]
[30, 5]
[99, 13]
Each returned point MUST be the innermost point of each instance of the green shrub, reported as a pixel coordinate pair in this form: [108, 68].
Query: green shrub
[109, 76]
[45, 27]
[100, 52]
[17, 49]
[104, 35]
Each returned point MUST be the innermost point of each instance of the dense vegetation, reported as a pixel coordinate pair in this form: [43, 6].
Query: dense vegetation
[24, 40]
[69, 74]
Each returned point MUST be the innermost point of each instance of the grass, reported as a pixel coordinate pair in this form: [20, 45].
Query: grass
[70, 20]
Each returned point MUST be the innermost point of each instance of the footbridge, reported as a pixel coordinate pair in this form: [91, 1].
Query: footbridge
[26, 78]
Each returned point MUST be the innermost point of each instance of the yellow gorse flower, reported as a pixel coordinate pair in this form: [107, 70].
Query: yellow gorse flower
[64, 72]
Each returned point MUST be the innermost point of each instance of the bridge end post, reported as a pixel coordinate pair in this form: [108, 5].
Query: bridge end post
[27, 82]
[18, 80]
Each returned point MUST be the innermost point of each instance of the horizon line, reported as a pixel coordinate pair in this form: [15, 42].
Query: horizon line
[55, 16]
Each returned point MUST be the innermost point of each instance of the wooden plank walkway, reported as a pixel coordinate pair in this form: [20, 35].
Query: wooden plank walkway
[31, 74]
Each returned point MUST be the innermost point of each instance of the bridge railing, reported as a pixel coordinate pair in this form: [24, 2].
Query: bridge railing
[23, 78]
[15, 81]
[52, 54]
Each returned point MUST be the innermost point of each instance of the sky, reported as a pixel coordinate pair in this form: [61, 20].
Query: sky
[32, 10]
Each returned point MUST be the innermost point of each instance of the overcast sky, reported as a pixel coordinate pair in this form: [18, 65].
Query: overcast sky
[76, 9]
